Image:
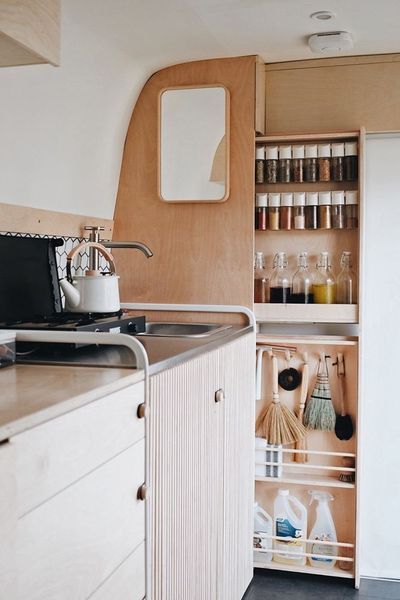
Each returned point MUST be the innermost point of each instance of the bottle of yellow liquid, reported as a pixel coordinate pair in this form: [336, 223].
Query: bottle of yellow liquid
[324, 283]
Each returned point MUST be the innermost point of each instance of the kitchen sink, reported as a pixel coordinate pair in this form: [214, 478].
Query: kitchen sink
[183, 330]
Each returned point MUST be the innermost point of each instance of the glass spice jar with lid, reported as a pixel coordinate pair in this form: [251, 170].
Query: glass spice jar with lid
[324, 210]
[337, 162]
[310, 163]
[324, 162]
[285, 155]
[299, 210]
[271, 164]
[350, 161]
[338, 210]
[274, 204]
[351, 205]
[298, 164]
[285, 221]
[260, 164]
[261, 216]
[312, 210]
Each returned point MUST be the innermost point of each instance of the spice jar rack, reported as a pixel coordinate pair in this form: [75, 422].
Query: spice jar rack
[338, 226]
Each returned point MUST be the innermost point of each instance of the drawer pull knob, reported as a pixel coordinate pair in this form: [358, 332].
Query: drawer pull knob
[141, 411]
[219, 396]
[142, 492]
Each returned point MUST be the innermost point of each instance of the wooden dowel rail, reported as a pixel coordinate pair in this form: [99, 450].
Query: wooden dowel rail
[306, 466]
[313, 452]
[304, 554]
[307, 541]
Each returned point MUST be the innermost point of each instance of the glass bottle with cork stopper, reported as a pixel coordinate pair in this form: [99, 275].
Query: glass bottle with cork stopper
[260, 164]
[324, 162]
[298, 164]
[261, 289]
[324, 282]
[351, 201]
[285, 155]
[324, 210]
[302, 282]
[279, 291]
[312, 210]
[338, 210]
[346, 281]
[350, 161]
[261, 216]
[271, 164]
[274, 204]
[299, 210]
[337, 162]
[310, 163]
[286, 211]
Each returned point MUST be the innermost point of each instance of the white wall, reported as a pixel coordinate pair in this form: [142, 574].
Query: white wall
[380, 473]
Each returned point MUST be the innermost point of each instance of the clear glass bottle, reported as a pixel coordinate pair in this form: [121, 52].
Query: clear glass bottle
[324, 210]
[324, 282]
[312, 210]
[274, 208]
[324, 162]
[350, 161]
[299, 210]
[302, 282]
[286, 211]
[298, 164]
[260, 164]
[338, 210]
[310, 163]
[346, 281]
[285, 155]
[279, 289]
[337, 162]
[351, 200]
[261, 216]
[261, 288]
[271, 164]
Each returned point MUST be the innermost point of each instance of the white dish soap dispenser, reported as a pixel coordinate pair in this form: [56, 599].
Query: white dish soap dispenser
[290, 521]
[323, 530]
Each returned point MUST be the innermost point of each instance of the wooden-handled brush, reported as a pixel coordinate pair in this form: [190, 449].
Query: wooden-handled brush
[344, 424]
[302, 443]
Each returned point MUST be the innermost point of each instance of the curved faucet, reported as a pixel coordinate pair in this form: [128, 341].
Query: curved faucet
[94, 236]
[138, 245]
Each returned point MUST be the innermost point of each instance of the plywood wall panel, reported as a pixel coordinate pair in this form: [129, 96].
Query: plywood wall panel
[203, 253]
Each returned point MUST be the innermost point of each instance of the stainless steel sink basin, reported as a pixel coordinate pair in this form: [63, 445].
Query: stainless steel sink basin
[183, 330]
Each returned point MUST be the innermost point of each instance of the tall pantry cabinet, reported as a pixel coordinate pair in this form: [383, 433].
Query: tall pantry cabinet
[305, 331]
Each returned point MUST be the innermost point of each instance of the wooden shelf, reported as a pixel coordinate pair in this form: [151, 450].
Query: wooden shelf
[307, 186]
[308, 137]
[307, 479]
[259, 563]
[306, 313]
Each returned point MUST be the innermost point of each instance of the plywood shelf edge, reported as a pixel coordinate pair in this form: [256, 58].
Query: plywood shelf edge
[306, 313]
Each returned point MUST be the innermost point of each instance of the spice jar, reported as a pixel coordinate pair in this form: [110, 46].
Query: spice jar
[337, 162]
[310, 163]
[271, 164]
[324, 162]
[351, 209]
[299, 210]
[350, 161]
[261, 216]
[298, 164]
[261, 290]
[285, 155]
[260, 164]
[274, 203]
[338, 211]
[312, 210]
[324, 210]
[285, 221]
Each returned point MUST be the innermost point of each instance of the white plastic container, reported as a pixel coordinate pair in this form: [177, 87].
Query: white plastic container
[324, 530]
[262, 526]
[260, 457]
[290, 520]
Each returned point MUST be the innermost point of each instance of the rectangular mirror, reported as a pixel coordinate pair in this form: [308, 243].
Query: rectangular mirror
[194, 144]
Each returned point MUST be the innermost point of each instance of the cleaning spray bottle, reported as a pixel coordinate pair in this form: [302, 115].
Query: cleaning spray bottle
[323, 530]
[262, 527]
[290, 521]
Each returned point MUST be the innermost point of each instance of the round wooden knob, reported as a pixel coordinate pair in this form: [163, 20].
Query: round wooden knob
[219, 395]
[141, 411]
[142, 492]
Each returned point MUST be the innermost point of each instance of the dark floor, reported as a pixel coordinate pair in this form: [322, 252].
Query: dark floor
[275, 585]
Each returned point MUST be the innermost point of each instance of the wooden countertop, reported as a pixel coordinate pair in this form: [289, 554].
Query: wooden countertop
[33, 394]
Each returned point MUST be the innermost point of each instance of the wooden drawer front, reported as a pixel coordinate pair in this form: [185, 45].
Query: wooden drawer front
[53, 455]
[70, 544]
[128, 582]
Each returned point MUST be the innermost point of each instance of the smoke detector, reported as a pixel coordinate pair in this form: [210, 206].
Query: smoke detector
[332, 41]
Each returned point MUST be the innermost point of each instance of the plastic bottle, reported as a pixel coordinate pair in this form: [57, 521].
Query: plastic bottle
[263, 526]
[302, 282]
[290, 520]
[261, 292]
[346, 281]
[324, 282]
[280, 279]
[323, 530]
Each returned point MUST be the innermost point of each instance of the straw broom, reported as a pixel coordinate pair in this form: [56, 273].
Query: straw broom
[302, 444]
[276, 423]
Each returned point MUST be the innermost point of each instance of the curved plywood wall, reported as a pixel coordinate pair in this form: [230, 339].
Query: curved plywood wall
[202, 253]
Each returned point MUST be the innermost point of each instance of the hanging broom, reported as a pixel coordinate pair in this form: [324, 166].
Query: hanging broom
[276, 423]
[319, 413]
[301, 457]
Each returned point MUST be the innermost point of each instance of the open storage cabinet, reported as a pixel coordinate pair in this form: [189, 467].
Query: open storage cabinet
[327, 457]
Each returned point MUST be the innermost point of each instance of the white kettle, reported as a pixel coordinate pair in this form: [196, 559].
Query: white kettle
[91, 292]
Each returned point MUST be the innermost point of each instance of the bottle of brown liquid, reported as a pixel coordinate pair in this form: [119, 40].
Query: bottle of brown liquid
[261, 291]
[280, 279]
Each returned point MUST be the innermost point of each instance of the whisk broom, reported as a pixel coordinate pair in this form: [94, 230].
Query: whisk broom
[319, 413]
[276, 423]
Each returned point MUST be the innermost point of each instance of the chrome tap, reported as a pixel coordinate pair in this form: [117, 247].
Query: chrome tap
[94, 236]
